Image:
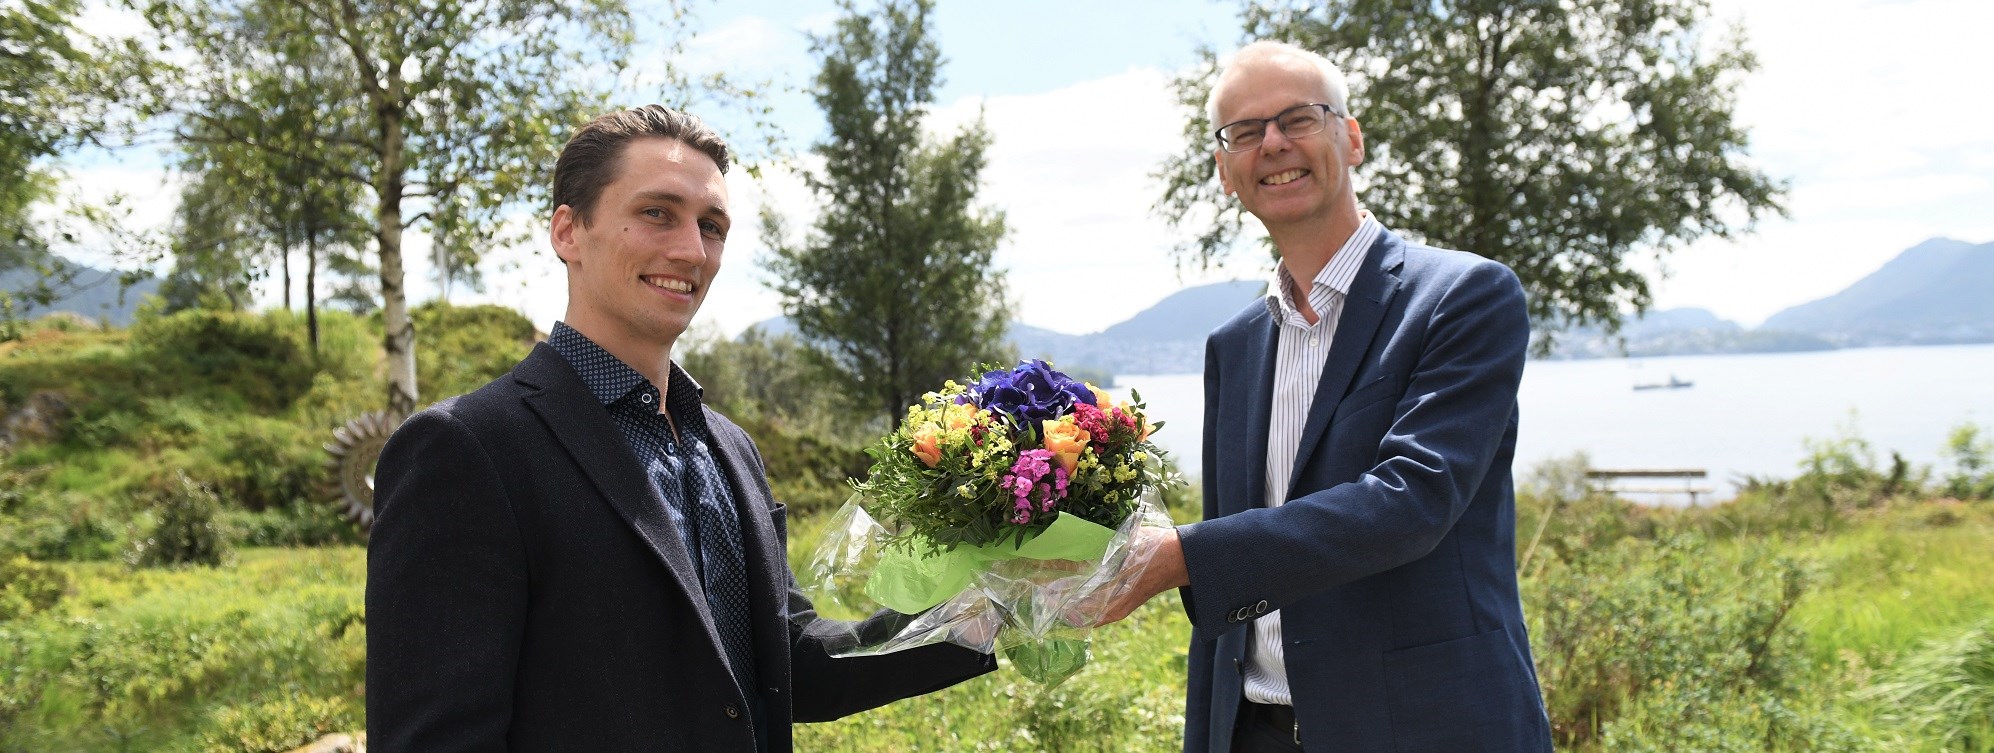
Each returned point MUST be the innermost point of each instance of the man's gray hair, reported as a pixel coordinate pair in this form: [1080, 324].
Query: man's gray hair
[1336, 89]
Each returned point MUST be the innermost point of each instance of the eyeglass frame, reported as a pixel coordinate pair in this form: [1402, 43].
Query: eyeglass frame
[1225, 144]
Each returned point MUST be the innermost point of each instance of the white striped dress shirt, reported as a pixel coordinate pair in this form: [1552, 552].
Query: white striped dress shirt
[1298, 362]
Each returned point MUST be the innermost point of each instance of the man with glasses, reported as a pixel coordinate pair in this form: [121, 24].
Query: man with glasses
[1352, 586]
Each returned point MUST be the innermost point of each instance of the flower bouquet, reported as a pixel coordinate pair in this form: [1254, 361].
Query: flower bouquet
[995, 517]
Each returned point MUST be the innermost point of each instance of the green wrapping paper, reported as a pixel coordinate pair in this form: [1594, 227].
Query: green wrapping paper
[909, 582]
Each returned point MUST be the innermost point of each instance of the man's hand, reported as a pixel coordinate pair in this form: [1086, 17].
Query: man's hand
[1155, 564]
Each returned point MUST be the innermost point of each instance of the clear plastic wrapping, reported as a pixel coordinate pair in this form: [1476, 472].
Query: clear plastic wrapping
[1034, 601]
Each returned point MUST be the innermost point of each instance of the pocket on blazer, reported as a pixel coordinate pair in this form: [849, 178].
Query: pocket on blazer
[1378, 390]
[1463, 694]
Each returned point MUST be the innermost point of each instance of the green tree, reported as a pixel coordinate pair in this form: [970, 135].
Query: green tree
[893, 287]
[253, 204]
[1562, 139]
[59, 90]
[449, 112]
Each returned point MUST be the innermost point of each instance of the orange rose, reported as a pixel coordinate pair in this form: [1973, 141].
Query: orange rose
[928, 445]
[1065, 440]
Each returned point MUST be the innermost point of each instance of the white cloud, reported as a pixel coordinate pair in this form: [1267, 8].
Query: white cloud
[1071, 170]
[1868, 110]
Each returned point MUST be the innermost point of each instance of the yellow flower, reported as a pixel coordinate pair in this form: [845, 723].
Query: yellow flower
[1066, 440]
[960, 416]
[927, 445]
[1101, 397]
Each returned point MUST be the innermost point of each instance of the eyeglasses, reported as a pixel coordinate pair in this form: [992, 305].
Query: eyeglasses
[1294, 122]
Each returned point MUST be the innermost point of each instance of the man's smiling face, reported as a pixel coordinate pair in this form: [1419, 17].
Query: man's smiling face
[640, 266]
[1283, 181]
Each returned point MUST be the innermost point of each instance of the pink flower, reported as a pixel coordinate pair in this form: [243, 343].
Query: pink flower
[1028, 484]
[1091, 420]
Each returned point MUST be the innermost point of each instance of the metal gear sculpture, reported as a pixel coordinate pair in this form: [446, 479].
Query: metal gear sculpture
[354, 449]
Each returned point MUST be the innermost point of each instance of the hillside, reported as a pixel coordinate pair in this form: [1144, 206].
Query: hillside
[95, 294]
[1939, 291]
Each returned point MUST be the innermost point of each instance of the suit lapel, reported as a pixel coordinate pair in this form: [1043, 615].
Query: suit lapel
[1363, 310]
[1257, 386]
[583, 427]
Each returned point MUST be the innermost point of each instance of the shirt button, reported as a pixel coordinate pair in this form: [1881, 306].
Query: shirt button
[646, 398]
[733, 713]
[1313, 342]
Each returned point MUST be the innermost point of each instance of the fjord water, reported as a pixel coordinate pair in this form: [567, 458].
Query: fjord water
[1743, 415]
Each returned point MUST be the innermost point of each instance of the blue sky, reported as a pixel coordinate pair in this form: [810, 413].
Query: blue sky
[1877, 114]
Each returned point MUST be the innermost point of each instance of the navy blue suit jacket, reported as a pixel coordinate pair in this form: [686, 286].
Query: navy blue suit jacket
[1392, 560]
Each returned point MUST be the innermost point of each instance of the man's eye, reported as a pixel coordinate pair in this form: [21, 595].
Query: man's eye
[712, 228]
[654, 213]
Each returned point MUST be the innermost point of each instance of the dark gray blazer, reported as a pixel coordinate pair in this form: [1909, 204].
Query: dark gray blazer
[527, 592]
[1392, 559]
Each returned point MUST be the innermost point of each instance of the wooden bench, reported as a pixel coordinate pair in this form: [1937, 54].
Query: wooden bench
[1608, 480]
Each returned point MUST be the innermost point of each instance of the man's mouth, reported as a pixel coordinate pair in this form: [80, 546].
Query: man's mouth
[673, 284]
[1284, 177]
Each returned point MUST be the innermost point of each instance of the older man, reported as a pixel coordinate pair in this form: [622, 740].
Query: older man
[1353, 584]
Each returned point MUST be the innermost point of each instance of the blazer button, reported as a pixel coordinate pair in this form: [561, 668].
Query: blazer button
[1260, 608]
[733, 713]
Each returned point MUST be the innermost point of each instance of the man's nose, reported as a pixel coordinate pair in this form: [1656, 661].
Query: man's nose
[687, 244]
[1272, 138]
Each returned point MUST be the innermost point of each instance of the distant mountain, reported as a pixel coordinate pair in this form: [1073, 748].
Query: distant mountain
[95, 295]
[1167, 338]
[1196, 311]
[1939, 291]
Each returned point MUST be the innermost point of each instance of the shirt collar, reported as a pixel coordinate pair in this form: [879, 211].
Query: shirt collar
[607, 377]
[1338, 275]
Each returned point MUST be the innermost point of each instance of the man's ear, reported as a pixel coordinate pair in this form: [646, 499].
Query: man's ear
[561, 234]
[1225, 175]
[1356, 141]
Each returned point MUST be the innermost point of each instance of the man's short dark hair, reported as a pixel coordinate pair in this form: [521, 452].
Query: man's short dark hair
[591, 159]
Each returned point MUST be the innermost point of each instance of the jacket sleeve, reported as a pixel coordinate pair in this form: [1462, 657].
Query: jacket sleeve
[824, 687]
[446, 594]
[1446, 430]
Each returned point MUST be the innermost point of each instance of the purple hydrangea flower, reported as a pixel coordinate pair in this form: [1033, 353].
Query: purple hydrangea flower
[1030, 393]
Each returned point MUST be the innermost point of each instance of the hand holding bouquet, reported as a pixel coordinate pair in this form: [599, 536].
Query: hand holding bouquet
[1006, 501]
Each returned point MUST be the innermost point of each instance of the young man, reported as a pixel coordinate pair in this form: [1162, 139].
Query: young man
[581, 556]
[1353, 584]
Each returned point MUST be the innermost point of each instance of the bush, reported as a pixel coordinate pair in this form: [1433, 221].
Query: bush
[191, 659]
[460, 348]
[1944, 691]
[27, 587]
[229, 357]
[1972, 458]
[186, 533]
[276, 726]
[1631, 629]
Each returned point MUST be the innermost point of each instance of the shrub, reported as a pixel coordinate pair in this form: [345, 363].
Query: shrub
[276, 726]
[1636, 627]
[1972, 458]
[27, 587]
[189, 659]
[227, 356]
[186, 533]
[460, 348]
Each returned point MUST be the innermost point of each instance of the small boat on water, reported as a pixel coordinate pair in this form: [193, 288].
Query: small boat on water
[1674, 383]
